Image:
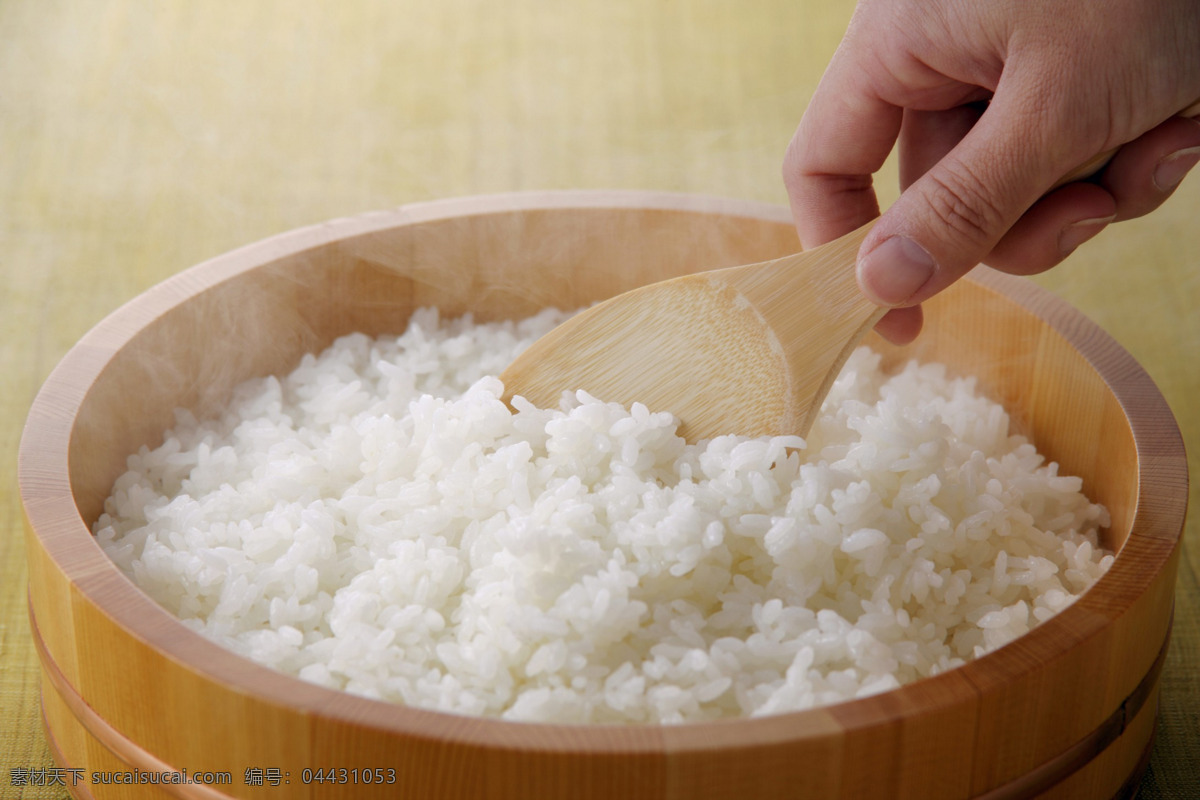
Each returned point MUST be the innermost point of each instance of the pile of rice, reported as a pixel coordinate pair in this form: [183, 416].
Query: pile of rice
[380, 522]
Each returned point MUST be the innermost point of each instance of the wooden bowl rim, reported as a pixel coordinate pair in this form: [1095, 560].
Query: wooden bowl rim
[43, 476]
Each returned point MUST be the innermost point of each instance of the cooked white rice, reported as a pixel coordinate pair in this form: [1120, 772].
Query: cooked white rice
[380, 522]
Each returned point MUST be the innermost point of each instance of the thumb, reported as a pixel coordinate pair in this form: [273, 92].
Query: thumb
[949, 219]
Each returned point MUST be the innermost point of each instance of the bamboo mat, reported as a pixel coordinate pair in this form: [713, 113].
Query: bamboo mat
[138, 137]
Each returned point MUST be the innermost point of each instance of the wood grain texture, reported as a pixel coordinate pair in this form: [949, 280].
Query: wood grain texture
[134, 685]
[143, 136]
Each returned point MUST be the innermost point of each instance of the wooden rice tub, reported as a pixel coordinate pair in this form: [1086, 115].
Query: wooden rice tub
[129, 691]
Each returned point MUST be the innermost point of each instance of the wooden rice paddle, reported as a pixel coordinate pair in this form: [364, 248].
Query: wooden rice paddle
[750, 350]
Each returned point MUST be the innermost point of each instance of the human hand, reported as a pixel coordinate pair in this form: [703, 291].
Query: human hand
[991, 104]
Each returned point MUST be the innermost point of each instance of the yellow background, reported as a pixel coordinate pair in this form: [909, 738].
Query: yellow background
[138, 137]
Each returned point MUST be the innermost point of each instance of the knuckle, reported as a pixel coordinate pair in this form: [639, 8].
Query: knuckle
[960, 205]
[792, 164]
[802, 172]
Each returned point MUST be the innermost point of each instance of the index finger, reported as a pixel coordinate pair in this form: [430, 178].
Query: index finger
[844, 136]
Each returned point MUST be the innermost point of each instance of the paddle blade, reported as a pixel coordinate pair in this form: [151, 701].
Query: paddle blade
[692, 346]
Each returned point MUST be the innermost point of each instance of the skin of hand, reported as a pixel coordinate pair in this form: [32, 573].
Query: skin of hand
[991, 104]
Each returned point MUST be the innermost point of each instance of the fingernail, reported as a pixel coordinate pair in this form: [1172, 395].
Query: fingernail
[893, 272]
[1170, 171]
[1077, 233]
